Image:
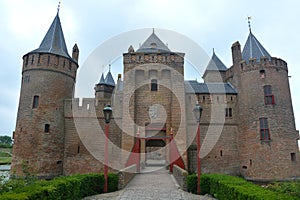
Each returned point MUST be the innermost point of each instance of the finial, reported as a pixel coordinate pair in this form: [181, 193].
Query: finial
[249, 23]
[153, 30]
[58, 7]
[109, 66]
[213, 50]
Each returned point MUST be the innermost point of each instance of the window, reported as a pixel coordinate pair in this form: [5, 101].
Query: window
[153, 85]
[269, 97]
[262, 73]
[293, 157]
[35, 101]
[47, 128]
[264, 129]
[228, 112]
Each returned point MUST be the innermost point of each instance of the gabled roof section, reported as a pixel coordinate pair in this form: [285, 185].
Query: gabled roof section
[253, 49]
[109, 80]
[215, 64]
[209, 88]
[54, 41]
[102, 79]
[153, 45]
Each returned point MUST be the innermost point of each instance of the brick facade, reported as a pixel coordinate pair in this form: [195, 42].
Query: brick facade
[153, 94]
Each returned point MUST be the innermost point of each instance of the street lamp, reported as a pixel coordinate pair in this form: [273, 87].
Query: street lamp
[107, 112]
[197, 113]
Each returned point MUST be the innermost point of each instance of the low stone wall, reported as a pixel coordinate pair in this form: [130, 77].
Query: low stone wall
[180, 176]
[126, 175]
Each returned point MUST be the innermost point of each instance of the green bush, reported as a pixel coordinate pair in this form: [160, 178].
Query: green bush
[231, 187]
[3, 145]
[70, 187]
[191, 182]
[290, 187]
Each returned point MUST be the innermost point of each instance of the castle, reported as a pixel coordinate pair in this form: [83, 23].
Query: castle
[247, 126]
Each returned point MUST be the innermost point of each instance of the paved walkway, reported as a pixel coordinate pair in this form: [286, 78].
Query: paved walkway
[151, 185]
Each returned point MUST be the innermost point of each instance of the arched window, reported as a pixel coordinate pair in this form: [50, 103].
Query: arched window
[153, 85]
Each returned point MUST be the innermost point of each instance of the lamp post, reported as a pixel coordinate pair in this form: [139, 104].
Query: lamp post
[171, 150]
[107, 111]
[139, 151]
[197, 113]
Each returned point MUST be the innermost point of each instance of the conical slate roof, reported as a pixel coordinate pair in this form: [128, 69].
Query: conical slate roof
[109, 80]
[216, 64]
[153, 45]
[102, 79]
[54, 41]
[253, 49]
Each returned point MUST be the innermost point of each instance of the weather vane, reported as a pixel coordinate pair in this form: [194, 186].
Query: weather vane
[249, 22]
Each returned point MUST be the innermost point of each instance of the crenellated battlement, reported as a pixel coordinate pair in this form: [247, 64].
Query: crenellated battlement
[264, 62]
[85, 108]
[142, 58]
[50, 62]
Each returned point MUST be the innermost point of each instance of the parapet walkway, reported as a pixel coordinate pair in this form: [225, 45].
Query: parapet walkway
[153, 184]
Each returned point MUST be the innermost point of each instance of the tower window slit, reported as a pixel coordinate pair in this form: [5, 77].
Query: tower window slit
[47, 128]
[35, 103]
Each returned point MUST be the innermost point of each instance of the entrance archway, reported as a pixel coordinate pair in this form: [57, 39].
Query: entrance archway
[155, 152]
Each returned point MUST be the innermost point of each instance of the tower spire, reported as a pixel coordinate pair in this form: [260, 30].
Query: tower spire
[58, 7]
[249, 23]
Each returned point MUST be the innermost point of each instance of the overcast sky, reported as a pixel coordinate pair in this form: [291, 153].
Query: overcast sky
[211, 24]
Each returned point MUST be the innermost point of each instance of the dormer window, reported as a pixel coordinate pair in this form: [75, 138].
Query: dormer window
[153, 45]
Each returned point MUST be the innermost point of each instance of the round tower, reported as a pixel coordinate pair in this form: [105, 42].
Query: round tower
[48, 78]
[267, 137]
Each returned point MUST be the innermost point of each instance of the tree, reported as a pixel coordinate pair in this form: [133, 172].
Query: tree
[5, 140]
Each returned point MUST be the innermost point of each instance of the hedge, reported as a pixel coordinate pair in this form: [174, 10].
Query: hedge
[230, 187]
[69, 187]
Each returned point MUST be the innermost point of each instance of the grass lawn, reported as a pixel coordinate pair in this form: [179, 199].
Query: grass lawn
[5, 160]
[5, 156]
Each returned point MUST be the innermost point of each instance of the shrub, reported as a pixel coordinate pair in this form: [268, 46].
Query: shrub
[231, 187]
[70, 187]
[191, 181]
[291, 188]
